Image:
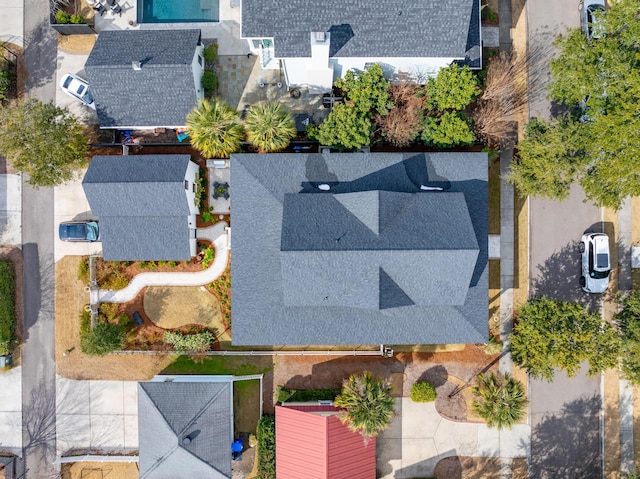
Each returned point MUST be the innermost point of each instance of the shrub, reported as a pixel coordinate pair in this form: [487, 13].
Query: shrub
[7, 306]
[304, 395]
[423, 391]
[5, 83]
[451, 129]
[346, 128]
[208, 257]
[198, 342]
[499, 399]
[210, 53]
[62, 17]
[266, 435]
[83, 270]
[269, 126]
[101, 340]
[77, 19]
[488, 15]
[453, 88]
[209, 80]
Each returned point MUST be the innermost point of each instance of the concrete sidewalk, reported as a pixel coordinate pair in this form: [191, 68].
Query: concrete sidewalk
[419, 437]
[12, 22]
[217, 268]
[10, 210]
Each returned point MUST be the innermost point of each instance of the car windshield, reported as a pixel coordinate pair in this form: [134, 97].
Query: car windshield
[92, 231]
[599, 274]
[67, 82]
[88, 97]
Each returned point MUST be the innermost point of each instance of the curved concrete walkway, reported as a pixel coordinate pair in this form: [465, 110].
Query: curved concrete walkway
[419, 437]
[220, 240]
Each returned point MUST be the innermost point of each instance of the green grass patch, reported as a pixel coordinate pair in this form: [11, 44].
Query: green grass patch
[246, 405]
[267, 448]
[494, 191]
[235, 365]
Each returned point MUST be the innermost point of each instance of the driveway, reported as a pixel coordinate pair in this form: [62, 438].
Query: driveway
[98, 415]
[11, 410]
[71, 204]
[419, 437]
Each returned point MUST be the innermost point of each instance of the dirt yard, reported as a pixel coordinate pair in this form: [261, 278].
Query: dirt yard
[100, 470]
[171, 307]
[70, 299]
[477, 468]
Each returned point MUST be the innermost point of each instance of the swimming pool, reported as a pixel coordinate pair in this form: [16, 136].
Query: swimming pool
[173, 11]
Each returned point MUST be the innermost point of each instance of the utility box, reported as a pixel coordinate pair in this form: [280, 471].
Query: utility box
[6, 361]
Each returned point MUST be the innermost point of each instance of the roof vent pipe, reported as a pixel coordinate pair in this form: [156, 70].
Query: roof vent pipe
[136, 64]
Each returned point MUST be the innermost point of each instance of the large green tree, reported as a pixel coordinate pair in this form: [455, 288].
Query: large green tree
[269, 126]
[453, 88]
[499, 399]
[215, 129]
[629, 321]
[346, 128]
[606, 73]
[367, 403]
[368, 90]
[451, 129]
[44, 141]
[558, 334]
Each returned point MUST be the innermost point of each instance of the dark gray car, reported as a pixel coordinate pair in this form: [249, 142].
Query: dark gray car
[84, 231]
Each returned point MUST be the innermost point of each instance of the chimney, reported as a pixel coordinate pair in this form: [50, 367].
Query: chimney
[136, 64]
[319, 37]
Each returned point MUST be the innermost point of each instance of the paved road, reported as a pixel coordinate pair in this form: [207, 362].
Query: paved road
[38, 362]
[565, 414]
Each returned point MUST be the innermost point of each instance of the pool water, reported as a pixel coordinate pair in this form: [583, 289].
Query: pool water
[173, 11]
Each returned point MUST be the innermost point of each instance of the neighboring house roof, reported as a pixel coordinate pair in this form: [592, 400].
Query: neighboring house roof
[364, 28]
[160, 93]
[171, 411]
[316, 445]
[374, 260]
[141, 205]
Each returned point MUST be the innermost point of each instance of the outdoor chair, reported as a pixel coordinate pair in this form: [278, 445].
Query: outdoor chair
[116, 9]
[99, 8]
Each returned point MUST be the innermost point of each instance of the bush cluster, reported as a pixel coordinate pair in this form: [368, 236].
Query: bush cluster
[209, 80]
[103, 339]
[266, 435]
[210, 53]
[423, 391]
[198, 342]
[7, 306]
[303, 395]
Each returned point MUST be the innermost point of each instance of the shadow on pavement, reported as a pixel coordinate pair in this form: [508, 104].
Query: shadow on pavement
[567, 444]
[40, 55]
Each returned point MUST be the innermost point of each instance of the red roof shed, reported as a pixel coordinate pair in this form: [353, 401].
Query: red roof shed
[311, 442]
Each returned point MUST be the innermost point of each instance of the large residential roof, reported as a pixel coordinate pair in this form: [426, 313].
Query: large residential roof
[365, 28]
[168, 413]
[315, 444]
[373, 260]
[160, 93]
[141, 205]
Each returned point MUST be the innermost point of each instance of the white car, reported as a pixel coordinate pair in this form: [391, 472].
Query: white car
[78, 89]
[596, 262]
[592, 12]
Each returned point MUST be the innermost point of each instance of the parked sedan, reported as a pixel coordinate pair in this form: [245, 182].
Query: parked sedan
[596, 262]
[79, 231]
[592, 18]
[78, 89]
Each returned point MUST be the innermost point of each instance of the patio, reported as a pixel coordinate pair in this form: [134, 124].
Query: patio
[219, 197]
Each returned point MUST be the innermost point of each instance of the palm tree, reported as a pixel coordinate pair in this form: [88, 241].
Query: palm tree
[269, 126]
[499, 399]
[367, 403]
[215, 129]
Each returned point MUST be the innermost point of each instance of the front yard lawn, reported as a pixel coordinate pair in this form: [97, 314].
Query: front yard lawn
[236, 365]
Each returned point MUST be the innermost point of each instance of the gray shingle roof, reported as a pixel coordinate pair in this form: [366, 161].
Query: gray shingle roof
[170, 411]
[141, 204]
[161, 93]
[366, 28]
[374, 260]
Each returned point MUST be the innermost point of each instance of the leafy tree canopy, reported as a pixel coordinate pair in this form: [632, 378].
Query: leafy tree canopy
[605, 73]
[345, 128]
[558, 334]
[453, 88]
[369, 406]
[367, 90]
[44, 141]
[629, 321]
[451, 129]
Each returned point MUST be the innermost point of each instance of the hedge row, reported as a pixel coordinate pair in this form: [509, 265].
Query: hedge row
[304, 395]
[266, 435]
[7, 305]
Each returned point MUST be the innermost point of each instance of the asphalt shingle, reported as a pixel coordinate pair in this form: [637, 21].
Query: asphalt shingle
[159, 94]
[318, 272]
